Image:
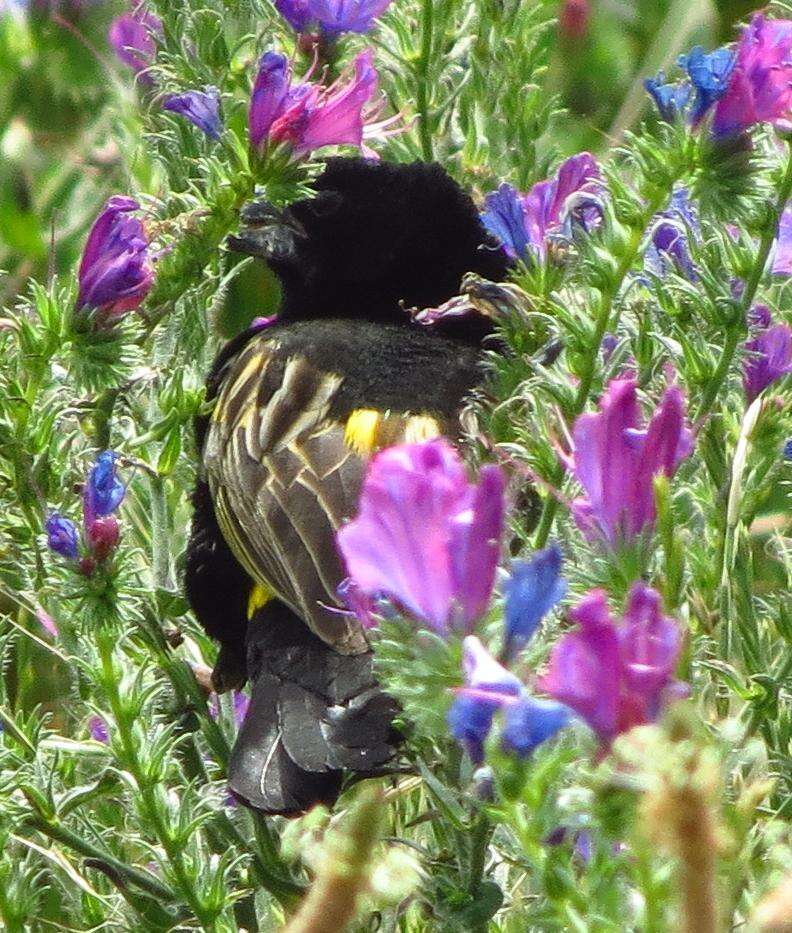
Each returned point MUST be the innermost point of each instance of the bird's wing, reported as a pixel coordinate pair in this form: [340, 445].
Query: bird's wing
[285, 474]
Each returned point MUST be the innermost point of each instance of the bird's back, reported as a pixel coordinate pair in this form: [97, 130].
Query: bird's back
[299, 411]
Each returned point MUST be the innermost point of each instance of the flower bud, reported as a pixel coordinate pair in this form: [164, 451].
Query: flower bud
[103, 535]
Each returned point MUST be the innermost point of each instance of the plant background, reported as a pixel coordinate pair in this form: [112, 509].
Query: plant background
[138, 833]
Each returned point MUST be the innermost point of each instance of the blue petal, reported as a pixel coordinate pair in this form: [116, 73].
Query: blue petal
[469, 721]
[103, 489]
[533, 588]
[710, 74]
[670, 99]
[504, 217]
[529, 722]
[62, 536]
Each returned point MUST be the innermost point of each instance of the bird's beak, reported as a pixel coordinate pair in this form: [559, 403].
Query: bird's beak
[269, 232]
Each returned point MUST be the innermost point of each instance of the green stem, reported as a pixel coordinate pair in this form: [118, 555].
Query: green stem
[422, 74]
[160, 535]
[59, 833]
[148, 801]
[735, 331]
[603, 317]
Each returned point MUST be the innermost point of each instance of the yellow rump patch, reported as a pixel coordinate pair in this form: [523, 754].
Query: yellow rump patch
[361, 430]
[259, 596]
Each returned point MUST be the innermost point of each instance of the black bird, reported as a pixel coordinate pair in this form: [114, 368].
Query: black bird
[299, 408]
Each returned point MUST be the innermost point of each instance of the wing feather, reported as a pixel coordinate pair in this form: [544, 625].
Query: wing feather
[284, 477]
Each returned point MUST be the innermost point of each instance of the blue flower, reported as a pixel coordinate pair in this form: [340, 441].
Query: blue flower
[104, 491]
[489, 688]
[670, 99]
[62, 536]
[529, 722]
[504, 217]
[788, 449]
[709, 74]
[201, 108]
[533, 588]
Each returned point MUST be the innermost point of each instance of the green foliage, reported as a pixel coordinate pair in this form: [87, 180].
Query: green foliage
[138, 833]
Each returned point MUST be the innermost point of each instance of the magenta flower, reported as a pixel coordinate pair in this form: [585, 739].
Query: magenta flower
[616, 676]
[526, 222]
[309, 116]
[615, 461]
[489, 687]
[768, 353]
[760, 86]
[115, 272]
[782, 259]
[131, 36]
[425, 536]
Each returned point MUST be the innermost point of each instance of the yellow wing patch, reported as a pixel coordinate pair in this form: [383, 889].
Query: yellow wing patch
[259, 596]
[367, 430]
[361, 430]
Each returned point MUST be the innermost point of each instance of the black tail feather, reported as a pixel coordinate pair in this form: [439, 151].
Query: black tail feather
[313, 713]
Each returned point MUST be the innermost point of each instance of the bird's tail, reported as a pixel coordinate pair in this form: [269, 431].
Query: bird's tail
[314, 716]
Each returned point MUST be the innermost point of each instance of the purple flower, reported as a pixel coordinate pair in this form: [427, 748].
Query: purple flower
[671, 100]
[332, 17]
[616, 676]
[425, 536]
[62, 537]
[309, 116]
[782, 260]
[489, 687]
[103, 491]
[297, 13]
[504, 217]
[787, 453]
[132, 37]
[709, 74]
[615, 461]
[768, 353]
[669, 241]
[525, 223]
[533, 588]
[202, 108]
[760, 85]
[98, 729]
[337, 16]
[115, 272]
[241, 706]
[262, 323]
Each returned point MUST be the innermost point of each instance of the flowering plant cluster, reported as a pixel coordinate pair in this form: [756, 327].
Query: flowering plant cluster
[579, 602]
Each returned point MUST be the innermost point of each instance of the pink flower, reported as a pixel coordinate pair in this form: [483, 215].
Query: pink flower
[616, 675]
[615, 461]
[308, 116]
[425, 536]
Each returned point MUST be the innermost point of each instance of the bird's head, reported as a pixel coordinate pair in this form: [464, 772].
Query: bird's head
[375, 237]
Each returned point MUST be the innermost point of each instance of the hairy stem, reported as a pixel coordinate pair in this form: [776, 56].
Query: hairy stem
[752, 284]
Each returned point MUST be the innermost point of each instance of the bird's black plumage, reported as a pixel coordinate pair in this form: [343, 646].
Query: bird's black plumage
[299, 407]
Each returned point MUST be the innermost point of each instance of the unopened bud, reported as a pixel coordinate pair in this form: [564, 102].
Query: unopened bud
[103, 535]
